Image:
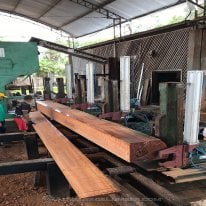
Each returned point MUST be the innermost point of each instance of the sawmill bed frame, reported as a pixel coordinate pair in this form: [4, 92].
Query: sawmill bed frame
[136, 184]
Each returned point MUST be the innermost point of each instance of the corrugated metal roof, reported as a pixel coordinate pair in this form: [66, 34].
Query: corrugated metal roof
[129, 9]
[82, 17]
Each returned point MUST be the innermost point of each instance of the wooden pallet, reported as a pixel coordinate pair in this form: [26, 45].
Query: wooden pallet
[125, 143]
[179, 175]
[85, 178]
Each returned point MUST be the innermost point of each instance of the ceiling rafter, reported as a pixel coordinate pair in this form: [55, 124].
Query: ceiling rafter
[16, 5]
[139, 16]
[28, 17]
[196, 4]
[50, 8]
[86, 13]
[103, 11]
[88, 5]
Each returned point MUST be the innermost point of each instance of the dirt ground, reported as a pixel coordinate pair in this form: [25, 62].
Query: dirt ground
[18, 189]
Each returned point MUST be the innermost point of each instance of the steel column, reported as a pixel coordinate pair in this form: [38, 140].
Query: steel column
[69, 76]
[31, 146]
[57, 184]
[90, 82]
[192, 106]
[125, 83]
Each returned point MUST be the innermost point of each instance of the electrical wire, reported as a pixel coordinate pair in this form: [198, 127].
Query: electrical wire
[143, 126]
[191, 154]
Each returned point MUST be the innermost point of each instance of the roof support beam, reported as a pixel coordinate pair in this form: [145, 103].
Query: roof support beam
[93, 8]
[50, 8]
[52, 45]
[67, 50]
[196, 4]
[16, 5]
[28, 17]
[103, 11]
[139, 16]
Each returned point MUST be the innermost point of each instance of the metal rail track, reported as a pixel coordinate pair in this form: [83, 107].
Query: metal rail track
[136, 187]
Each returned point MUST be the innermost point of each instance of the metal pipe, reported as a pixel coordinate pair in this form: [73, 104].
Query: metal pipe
[196, 4]
[125, 83]
[115, 53]
[120, 28]
[90, 82]
[68, 71]
[192, 106]
[90, 150]
[120, 170]
[166, 196]
[140, 81]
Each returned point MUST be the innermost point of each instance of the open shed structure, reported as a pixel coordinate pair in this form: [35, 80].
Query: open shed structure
[81, 17]
[117, 131]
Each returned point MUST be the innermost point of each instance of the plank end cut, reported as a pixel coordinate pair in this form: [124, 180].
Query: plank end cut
[123, 142]
[83, 176]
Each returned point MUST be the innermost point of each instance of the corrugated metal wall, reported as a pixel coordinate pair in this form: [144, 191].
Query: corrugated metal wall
[171, 52]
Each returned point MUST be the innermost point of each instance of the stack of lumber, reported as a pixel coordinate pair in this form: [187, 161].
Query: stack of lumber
[84, 177]
[125, 143]
[179, 175]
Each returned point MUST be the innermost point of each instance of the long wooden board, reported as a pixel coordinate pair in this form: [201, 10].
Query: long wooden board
[186, 175]
[85, 178]
[117, 139]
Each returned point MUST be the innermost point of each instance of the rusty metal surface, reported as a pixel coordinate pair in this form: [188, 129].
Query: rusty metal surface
[120, 170]
[166, 197]
[180, 155]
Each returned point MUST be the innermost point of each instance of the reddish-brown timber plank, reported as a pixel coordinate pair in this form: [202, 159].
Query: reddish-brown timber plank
[85, 178]
[125, 143]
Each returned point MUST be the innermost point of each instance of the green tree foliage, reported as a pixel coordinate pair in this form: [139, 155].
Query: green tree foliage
[176, 19]
[52, 62]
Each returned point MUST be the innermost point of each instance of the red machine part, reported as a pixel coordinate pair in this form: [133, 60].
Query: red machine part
[180, 155]
[82, 107]
[114, 116]
[62, 100]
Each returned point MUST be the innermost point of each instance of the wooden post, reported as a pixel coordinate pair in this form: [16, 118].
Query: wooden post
[78, 96]
[169, 124]
[196, 50]
[114, 95]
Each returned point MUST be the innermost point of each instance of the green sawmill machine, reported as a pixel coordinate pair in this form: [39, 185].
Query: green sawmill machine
[17, 59]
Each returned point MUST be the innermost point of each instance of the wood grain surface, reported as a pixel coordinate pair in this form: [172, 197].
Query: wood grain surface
[84, 177]
[125, 143]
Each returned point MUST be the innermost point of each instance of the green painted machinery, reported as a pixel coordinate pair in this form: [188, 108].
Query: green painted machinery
[16, 59]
